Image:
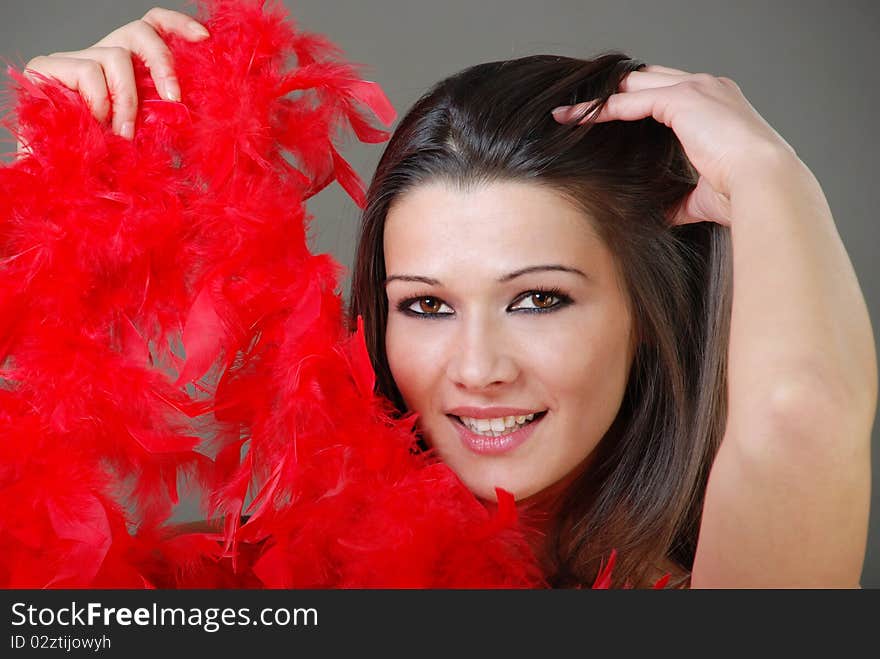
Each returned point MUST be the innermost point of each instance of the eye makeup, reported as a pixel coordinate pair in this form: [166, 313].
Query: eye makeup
[562, 300]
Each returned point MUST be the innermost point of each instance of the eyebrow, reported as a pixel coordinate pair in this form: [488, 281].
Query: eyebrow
[505, 278]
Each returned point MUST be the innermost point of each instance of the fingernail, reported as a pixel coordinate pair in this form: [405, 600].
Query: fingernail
[198, 30]
[172, 89]
[127, 130]
[562, 113]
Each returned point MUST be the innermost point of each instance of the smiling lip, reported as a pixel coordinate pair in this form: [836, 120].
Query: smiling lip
[494, 445]
[491, 412]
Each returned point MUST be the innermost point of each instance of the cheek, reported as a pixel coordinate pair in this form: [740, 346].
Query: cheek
[586, 364]
[414, 358]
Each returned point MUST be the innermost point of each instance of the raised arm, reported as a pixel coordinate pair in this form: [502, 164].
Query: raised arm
[788, 499]
[788, 496]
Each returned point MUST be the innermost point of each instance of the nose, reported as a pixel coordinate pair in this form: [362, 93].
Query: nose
[482, 356]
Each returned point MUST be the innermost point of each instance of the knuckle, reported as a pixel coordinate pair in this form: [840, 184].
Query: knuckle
[90, 68]
[119, 59]
[164, 62]
[134, 32]
[729, 83]
[141, 27]
[99, 104]
[118, 52]
[35, 63]
[691, 86]
[120, 35]
[704, 79]
[126, 101]
[132, 26]
[156, 15]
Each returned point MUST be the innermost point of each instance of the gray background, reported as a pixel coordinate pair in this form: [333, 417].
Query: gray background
[808, 67]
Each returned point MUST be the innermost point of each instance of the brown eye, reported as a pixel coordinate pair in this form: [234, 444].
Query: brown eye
[429, 305]
[543, 300]
[534, 301]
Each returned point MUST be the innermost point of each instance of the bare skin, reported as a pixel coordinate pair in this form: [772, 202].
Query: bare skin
[495, 330]
[789, 493]
[788, 497]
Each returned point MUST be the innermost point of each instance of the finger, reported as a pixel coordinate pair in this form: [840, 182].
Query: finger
[81, 75]
[703, 204]
[166, 20]
[143, 40]
[634, 81]
[119, 74]
[637, 80]
[632, 106]
[625, 106]
[656, 68]
[569, 113]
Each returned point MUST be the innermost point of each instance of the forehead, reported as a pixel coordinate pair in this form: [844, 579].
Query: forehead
[441, 227]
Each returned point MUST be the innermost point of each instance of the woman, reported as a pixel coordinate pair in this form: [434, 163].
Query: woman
[661, 303]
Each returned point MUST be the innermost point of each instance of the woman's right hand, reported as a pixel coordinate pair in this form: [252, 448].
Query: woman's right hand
[104, 75]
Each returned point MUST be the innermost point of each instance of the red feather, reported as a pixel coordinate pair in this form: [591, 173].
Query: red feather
[184, 251]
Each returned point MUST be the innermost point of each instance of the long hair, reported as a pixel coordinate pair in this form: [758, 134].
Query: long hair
[643, 491]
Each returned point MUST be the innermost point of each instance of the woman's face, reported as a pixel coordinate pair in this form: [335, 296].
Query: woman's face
[504, 303]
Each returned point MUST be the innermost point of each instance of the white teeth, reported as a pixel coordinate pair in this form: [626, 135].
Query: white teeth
[497, 426]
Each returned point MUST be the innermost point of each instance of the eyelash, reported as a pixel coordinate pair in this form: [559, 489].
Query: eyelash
[563, 301]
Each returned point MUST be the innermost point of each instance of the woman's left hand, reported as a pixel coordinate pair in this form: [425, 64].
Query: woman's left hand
[723, 136]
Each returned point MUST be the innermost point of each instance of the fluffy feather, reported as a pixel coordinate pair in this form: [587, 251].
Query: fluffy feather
[161, 316]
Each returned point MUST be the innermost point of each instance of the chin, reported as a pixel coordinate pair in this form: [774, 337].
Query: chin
[524, 490]
[485, 490]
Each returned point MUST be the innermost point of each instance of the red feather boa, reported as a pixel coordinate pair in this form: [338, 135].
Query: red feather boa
[161, 317]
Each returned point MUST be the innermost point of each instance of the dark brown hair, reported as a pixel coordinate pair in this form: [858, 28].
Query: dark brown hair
[643, 491]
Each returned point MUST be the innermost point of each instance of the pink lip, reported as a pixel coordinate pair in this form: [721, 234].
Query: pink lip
[490, 412]
[494, 445]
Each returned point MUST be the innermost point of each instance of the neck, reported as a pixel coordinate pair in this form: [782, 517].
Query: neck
[539, 513]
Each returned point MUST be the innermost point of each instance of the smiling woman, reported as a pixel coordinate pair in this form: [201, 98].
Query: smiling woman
[503, 332]
[600, 286]
[551, 293]
[511, 266]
